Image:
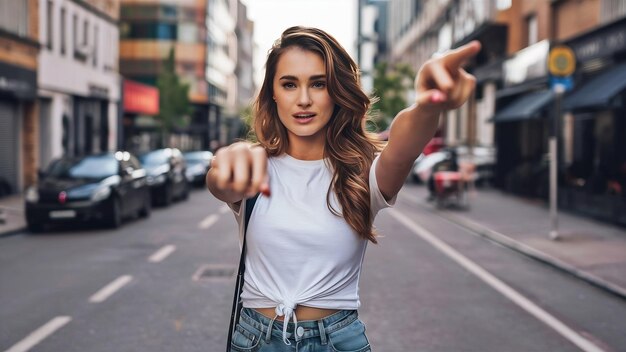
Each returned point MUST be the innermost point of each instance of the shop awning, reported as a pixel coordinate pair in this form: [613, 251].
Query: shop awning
[527, 106]
[599, 91]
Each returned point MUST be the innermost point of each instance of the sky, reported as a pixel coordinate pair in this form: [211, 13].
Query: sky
[272, 17]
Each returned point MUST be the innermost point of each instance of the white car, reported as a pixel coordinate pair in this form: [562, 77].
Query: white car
[423, 166]
[483, 158]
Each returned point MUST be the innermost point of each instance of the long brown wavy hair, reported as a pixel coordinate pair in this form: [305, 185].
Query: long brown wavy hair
[349, 149]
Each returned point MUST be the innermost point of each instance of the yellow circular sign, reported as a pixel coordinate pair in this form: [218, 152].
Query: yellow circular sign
[561, 61]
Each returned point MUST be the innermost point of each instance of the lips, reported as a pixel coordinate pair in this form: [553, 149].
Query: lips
[304, 115]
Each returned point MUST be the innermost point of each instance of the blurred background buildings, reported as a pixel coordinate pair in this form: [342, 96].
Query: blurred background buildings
[513, 108]
[82, 76]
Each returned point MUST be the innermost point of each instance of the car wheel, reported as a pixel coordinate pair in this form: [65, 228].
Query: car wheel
[144, 212]
[115, 214]
[167, 195]
[35, 227]
[185, 194]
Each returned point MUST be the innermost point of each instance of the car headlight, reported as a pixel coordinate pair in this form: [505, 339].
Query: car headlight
[32, 195]
[101, 194]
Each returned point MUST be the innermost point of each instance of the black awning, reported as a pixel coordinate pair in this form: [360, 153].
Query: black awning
[599, 92]
[527, 106]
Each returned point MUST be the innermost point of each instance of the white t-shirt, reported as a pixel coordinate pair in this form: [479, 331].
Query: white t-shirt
[298, 252]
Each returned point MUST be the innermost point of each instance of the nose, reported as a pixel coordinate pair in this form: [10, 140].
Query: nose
[305, 98]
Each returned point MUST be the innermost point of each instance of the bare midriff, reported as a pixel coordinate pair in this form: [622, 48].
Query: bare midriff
[302, 313]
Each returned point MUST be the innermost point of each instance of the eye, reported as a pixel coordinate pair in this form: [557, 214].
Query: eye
[319, 84]
[289, 85]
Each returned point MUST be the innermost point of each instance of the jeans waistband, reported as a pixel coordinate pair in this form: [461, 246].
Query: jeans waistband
[310, 328]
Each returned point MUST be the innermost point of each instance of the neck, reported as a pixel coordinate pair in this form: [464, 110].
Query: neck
[307, 149]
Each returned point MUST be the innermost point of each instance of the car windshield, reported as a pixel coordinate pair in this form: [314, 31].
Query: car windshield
[197, 156]
[154, 158]
[95, 167]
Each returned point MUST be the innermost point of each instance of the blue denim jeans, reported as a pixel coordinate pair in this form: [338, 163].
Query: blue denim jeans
[339, 332]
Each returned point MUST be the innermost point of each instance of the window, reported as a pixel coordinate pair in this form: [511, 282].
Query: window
[151, 31]
[75, 30]
[187, 32]
[63, 31]
[79, 48]
[95, 46]
[531, 23]
[503, 4]
[85, 32]
[49, 23]
[14, 17]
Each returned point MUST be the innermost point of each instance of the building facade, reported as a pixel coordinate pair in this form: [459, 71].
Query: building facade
[222, 52]
[594, 124]
[371, 39]
[212, 43]
[149, 31]
[244, 74]
[19, 111]
[79, 85]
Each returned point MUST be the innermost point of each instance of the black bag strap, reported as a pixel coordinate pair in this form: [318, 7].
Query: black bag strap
[236, 310]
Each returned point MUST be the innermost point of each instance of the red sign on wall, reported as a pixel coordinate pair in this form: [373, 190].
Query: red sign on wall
[140, 98]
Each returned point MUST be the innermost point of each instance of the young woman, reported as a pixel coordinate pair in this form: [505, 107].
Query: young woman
[322, 180]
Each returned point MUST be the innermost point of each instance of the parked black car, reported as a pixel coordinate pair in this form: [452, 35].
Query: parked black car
[166, 170]
[198, 164]
[104, 187]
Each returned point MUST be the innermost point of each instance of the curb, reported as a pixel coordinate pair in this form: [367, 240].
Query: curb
[12, 232]
[533, 253]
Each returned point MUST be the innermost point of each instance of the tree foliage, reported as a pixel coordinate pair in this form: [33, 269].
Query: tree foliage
[390, 85]
[174, 107]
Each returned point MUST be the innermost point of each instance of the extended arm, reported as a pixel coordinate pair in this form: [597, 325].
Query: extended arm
[441, 84]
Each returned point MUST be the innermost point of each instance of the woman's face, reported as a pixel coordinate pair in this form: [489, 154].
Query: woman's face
[302, 100]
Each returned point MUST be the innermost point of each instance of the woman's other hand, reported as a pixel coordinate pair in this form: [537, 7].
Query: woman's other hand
[442, 84]
[238, 171]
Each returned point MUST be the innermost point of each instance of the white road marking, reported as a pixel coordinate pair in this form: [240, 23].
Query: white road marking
[224, 209]
[523, 302]
[208, 221]
[162, 253]
[110, 289]
[40, 334]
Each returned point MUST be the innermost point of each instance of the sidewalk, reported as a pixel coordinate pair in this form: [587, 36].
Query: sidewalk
[12, 215]
[591, 250]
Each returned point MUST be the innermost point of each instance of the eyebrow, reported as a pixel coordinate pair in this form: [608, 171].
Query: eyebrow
[294, 78]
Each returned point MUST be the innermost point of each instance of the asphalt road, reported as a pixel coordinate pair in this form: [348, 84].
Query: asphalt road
[429, 285]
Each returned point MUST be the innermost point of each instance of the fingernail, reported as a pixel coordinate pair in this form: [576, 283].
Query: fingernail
[266, 192]
[437, 97]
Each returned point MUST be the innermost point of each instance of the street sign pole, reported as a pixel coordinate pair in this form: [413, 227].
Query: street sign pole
[554, 159]
[561, 65]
